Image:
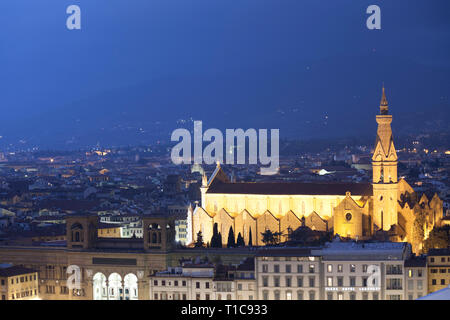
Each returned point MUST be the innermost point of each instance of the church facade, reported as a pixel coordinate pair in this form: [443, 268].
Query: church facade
[354, 210]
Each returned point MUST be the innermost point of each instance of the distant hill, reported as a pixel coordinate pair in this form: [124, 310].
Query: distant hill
[332, 98]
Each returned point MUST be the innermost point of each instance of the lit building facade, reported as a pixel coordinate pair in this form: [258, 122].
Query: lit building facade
[416, 278]
[364, 271]
[438, 265]
[355, 210]
[18, 283]
[201, 282]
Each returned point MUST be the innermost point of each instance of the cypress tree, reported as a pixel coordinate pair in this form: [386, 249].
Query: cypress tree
[231, 243]
[250, 240]
[240, 241]
[215, 241]
[219, 241]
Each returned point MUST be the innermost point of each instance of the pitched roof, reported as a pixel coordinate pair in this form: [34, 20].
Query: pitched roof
[292, 188]
[15, 271]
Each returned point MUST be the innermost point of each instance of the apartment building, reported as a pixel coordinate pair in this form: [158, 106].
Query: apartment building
[204, 282]
[416, 278]
[288, 274]
[438, 266]
[363, 271]
[18, 283]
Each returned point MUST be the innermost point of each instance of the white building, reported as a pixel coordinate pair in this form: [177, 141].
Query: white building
[364, 271]
[204, 282]
[288, 274]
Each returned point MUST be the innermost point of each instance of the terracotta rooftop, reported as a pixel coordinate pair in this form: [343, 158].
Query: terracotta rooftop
[292, 188]
[14, 271]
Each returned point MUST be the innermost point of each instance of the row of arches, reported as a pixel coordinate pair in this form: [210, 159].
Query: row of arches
[114, 288]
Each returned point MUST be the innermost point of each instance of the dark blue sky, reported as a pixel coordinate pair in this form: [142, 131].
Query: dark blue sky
[137, 66]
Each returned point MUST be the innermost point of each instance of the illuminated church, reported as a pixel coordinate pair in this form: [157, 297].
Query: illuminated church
[354, 210]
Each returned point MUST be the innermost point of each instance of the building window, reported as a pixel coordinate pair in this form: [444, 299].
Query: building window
[197, 285]
[312, 282]
[299, 295]
[352, 268]
[410, 273]
[394, 284]
[364, 281]
[276, 281]
[300, 268]
[300, 282]
[365, 296]
[394, 269]
[442, 281]
[311, 268]
[329, 281]
[312, 295]
[288, 295]
[276, 268]
[419, 285]
[288, 268]
[276, 295]
[340, 268]
[265, 268]
[265, 281]
[352, 282]
[265, 295]
[433, 282]
[375, 296]
[340, 296]
[352, 296]
[288, 281]
[330, 296]
[364, 268]
[330, 268]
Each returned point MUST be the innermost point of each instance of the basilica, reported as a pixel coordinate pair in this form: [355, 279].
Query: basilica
[387, 206]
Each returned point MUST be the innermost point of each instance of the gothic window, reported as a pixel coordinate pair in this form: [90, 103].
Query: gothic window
[348, 216]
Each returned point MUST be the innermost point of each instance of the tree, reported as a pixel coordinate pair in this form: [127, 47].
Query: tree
[231, 243]
[220, 240]
[216, 241]
[268, 238]
[277, 237]
[439, 238]
[418, 231]
[199, 243]
[250, 240]
[240, 241]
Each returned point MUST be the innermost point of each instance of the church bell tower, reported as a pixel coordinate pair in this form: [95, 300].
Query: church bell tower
[384, 167]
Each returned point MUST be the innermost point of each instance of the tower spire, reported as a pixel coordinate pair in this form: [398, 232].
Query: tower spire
[383, 103]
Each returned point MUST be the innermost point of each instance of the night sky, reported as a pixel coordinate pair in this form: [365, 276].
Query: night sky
[138, 67]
